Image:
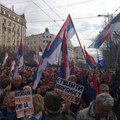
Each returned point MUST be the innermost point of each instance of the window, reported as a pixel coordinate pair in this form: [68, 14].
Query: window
[4, 20]
[43, 36]
[31, 42]
[34, 42]
[14, 17]
[9, 23]
[46, 41]
[3, 12]
[50, 36]
[46, 36]
[43, 41]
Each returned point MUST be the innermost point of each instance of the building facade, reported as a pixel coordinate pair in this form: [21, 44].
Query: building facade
[12, 29]
[32, 42]
[78, 55]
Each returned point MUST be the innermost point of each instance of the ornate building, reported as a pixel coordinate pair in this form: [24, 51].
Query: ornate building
[12, 28]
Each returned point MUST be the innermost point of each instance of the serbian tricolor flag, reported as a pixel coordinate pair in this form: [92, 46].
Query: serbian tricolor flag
[41, 67]
[113, 26]
[95, 84]
[40, 50]
[55, 48]
[5, 59]
[89, 60]
[15, 71]
[20, 55]
[64, 67]
[36, 58]
[72, 68]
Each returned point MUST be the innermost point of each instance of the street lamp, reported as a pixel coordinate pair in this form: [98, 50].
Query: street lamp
[107, 16]
[103, 15]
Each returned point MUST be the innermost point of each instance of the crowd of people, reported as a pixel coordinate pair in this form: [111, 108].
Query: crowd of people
[103, 104]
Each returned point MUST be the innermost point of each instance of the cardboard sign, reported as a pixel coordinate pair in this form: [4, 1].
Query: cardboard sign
[69, 90]
[23, 103]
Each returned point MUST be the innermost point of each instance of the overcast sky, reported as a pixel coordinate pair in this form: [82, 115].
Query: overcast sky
[51, 13]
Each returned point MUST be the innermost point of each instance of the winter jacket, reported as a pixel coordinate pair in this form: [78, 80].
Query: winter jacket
[89, 114]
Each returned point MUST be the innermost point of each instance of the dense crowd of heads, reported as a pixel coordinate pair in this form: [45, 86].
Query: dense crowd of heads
[49, 103]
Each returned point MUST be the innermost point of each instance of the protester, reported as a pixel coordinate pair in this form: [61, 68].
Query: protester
[9, 112]
[100, 109]
[17, 83]
[43, 89]
[103, 88]
[53, 105]
[38, 105]
[4, 92]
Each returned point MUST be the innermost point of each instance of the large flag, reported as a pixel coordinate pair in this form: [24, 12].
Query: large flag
[89, 60]
[113, 26]
[36, 58]
[41, 67]
[40, 50]
[20, 55]
[5, 59]
[55, 47]
[64, 66]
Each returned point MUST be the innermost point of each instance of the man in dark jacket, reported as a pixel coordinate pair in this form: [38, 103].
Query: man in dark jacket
[9, 112]
[53, 107]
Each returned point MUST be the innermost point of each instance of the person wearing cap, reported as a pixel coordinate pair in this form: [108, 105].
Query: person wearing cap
[53, 107]
[100, 109]
[103, 88]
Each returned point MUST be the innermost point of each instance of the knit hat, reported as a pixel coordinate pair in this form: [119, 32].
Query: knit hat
[105, 99]
[53, 102]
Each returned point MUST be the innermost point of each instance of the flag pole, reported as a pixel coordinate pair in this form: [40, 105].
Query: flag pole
[80, 44]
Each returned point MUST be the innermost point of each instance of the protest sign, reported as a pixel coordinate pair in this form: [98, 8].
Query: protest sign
[23, 102]
[69, 90]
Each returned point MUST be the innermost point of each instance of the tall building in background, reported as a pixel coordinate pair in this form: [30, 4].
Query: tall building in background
[32, 42]
[12, 29]
[78, 55]
[42, 39]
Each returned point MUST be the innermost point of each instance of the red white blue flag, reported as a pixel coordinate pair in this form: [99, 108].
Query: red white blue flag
[20, 55]
[55, 48]
[36, 58]
[41, 67]
[40, 50]
[113, 26]
[64, 66]
[90, 60]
